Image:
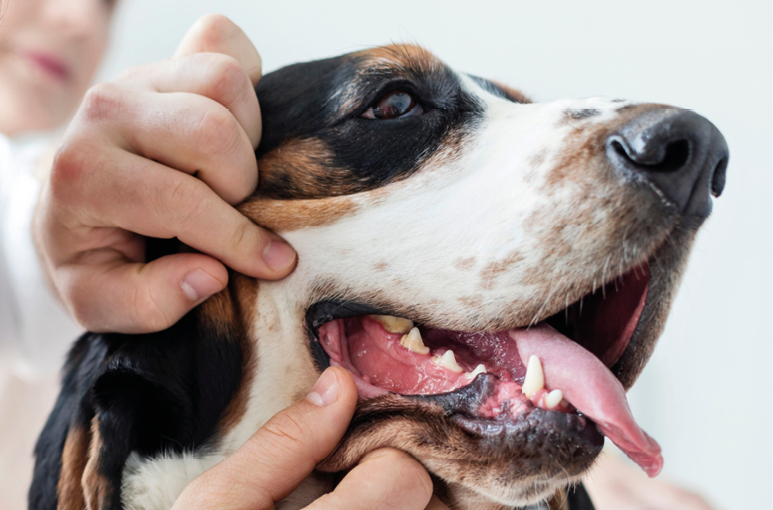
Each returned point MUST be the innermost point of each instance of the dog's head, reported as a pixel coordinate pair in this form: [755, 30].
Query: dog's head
[465, 253]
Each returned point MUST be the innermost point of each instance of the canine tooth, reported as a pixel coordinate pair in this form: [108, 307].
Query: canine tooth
[448, 360]
[535, 378]
[553, 398]
[394, 324]
[480, 369]
[412, 341]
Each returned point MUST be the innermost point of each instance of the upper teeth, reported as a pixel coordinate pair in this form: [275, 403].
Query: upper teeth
[412, 341]
[448, 360]
[394, 324]
[535, 378]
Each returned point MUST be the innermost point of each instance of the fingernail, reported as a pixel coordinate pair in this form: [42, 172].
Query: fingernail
[278, 255]
[198, 284]
[325, 391]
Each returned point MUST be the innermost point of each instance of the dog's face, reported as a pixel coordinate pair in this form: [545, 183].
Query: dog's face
[494, 273]
[502, 230]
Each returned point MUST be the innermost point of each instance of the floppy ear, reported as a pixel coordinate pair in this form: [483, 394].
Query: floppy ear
[149, 394]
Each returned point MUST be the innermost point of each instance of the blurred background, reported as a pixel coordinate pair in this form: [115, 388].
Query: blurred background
[706, 394]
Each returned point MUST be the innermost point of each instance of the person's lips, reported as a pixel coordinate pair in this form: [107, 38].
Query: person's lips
[48, 64]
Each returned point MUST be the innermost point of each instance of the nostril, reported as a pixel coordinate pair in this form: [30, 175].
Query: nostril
[677, 155]
[718, 177]
[674, 156]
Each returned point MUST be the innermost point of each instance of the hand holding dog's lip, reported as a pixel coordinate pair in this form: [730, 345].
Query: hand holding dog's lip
[166, 151]
[279, 456]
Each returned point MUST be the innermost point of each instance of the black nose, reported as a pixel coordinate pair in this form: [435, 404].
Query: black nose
[680, 153]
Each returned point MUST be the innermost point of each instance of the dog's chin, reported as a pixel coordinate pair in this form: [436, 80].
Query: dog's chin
[475, 418]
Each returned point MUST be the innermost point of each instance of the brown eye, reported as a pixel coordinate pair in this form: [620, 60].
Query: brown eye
[393, 105]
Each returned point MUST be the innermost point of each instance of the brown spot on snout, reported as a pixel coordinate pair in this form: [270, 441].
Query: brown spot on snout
[465, 264]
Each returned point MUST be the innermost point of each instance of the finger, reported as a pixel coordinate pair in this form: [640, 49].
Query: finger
[279, 456]
[384, 479]
[192, 134]
[213, 75]
[150, 199]
[214, 33]
[108, 293]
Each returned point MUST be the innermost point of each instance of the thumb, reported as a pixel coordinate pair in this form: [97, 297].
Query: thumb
[279, 456]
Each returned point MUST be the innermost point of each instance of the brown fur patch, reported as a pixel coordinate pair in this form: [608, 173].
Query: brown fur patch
[405, 56]
[74, 459]
[306, 167]
[96, 488]
[286, 215]
[232, 312]
[396, 59]
[465, 264]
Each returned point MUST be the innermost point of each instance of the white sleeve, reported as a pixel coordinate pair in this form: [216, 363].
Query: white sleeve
[35, 330]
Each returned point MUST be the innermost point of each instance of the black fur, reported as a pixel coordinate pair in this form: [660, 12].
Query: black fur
[303, 101]
[151, 393]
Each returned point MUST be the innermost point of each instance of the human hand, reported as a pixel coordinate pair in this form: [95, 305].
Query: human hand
[279, 456]
[164, 151]
[613, 484]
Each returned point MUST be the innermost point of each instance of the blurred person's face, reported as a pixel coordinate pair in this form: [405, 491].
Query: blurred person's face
[49, 52]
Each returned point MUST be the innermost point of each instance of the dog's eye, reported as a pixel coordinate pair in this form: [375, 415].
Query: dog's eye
[398, 103]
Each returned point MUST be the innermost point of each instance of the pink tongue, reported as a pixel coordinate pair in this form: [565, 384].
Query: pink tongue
[591, 387]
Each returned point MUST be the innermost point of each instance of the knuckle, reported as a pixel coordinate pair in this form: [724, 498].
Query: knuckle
[69, 169]
[148, 311]
[241, 236]
[229, 80]
[285, 432]
[101, 102]
[217, 133]
[184, 203]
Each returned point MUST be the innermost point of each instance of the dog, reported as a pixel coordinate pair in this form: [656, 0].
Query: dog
[494, 272]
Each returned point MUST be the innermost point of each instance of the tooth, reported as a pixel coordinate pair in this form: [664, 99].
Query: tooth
[394, 324]
[535, 378]
[480, 369]
[553, 398]
[412, 341]
[448, 360]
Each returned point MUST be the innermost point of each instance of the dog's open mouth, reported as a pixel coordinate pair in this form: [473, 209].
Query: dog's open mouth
[487, 381]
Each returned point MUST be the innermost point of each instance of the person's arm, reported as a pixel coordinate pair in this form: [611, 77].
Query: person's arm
[34, 326]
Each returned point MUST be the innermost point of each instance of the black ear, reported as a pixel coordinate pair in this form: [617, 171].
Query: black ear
[71, 411]
[149, 394]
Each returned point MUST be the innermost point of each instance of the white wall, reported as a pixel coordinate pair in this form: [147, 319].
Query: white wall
[706, 395]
